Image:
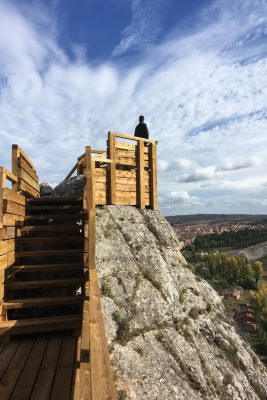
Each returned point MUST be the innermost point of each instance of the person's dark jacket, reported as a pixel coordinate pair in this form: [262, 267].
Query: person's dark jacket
[141, 130]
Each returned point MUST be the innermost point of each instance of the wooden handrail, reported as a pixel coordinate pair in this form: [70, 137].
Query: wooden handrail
[93, 152]
[130, 137]
[7, 175]
[103, 160]
[71, 171]
[21, 153]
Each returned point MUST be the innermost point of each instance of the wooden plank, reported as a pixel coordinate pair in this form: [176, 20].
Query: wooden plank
[44, 324]
[101, 171]
[44, 267]
[12, 219]
[72, 171]
[128, 147]
[10, 176]
[15, 157]
[27, 378]
[25, 157]
[130, 137]
[22, 164]
[85, 367]
[28, 189]
[6, 246]
[7, 354]
[112, 169]
[153, 180]
[63, 378]
[14, 197]
[7, 260]
[2, 184]
[45, 378]
[13, 208]
[122, 187]
[48, 253]
[42, 302]
[10, 377]
[101, 375]
[9, 232]
[28, 179]
[140, 174]
[17, 285]
[76, 374]
[90, 200]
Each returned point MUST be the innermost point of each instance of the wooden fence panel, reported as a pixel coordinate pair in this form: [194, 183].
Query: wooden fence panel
[24, 169]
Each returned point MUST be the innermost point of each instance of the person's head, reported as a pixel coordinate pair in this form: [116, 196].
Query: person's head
[141, 118]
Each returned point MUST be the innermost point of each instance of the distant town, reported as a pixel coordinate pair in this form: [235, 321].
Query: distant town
[189, 227]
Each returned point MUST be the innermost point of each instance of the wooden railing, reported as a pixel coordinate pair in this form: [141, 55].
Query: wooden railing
[23, 168]
[25, 184]
[12, 214]
[125, 174]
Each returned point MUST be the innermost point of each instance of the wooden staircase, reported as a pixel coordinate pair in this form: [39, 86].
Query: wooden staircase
[44, 289]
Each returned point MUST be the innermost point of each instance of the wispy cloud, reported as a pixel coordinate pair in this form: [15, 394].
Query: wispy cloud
[147, 16]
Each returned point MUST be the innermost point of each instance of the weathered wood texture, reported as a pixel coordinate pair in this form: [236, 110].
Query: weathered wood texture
[12, 214]
[94, 379]
[23, 168]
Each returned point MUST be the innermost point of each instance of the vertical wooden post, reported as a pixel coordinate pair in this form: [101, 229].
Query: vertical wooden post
[153, 176]
[15, 158]
[140, 174]
[112, 169]
[90, 198]
[2, 186]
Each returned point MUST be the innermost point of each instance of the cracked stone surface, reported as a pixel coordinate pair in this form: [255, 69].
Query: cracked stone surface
[167, 330]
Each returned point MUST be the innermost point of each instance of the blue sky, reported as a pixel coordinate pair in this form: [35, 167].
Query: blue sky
[72, 70]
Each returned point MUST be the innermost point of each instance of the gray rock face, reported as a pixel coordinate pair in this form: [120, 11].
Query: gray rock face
[71, 187]
[46, 190]
[167, 329]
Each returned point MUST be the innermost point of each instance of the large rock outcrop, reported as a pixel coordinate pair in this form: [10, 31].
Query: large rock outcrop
[167, 329]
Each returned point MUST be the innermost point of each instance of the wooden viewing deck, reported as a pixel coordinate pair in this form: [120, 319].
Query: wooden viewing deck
[53, 343]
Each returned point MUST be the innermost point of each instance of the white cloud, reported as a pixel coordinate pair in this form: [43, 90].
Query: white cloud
[182, 197]
[203, 93]
[144, 27]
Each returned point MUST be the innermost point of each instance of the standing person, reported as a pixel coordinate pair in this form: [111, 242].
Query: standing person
[141, 129]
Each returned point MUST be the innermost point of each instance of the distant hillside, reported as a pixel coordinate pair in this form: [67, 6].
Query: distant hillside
[252, 252]
[216, 218]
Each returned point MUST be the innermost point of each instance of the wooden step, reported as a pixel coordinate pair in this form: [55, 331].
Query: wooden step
[33, 228]
[46, 324]
[44, 267]
[17, 285]
[54, 217]
[61, 207]
[58, 199]
[48, 253]
[40, 240]
[41, 302]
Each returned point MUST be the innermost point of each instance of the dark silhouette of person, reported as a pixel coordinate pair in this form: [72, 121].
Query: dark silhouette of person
[141, 129]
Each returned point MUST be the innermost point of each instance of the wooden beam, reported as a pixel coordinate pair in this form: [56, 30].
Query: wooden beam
[71, 171]
[15, 157]
[90, 200]
[102, 383]
[153, 176]
[2, 186]
[9, 176]
[141, 175]
[112, 169]
[130, 137]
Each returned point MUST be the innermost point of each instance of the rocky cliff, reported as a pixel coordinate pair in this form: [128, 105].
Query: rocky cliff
[168, 332]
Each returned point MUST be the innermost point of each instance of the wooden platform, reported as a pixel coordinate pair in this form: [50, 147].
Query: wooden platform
[38, 367]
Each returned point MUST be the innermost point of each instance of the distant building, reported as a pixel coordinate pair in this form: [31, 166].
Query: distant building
[236, 294]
